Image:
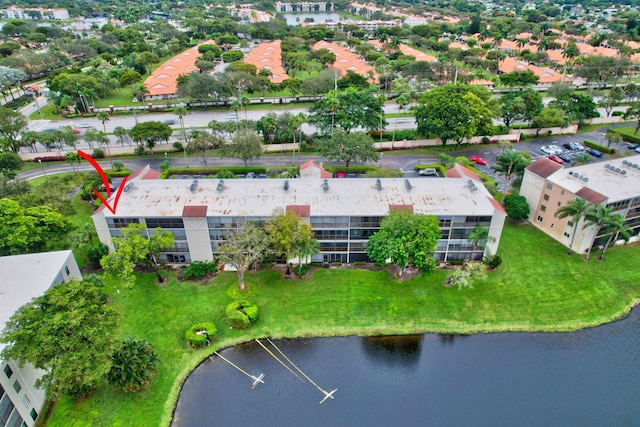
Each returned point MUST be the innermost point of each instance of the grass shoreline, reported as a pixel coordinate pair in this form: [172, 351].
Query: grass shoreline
[538, 288]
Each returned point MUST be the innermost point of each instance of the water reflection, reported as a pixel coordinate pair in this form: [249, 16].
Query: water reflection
[403, 350]
[448, 339]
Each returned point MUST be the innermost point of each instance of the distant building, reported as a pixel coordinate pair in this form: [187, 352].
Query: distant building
[35, 13]
[342, 212]
[304, 7]
[22, 278]
[548, 185]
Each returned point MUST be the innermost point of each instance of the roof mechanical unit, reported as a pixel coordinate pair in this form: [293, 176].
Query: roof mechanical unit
[407, 184]
[193, 185]
[378, 184]
[325, 186]
[220, 186]
[472, 186]
[286, 185]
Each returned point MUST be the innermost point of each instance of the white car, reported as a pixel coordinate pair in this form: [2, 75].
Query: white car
[551, 149]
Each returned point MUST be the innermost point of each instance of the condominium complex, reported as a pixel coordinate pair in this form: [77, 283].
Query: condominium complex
[547, 186]
[343, 212]
[35, 13]
[22, 278]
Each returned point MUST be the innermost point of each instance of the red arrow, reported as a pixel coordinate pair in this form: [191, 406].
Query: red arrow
[105, 181]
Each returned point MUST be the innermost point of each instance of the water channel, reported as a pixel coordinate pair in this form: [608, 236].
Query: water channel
[584, 378]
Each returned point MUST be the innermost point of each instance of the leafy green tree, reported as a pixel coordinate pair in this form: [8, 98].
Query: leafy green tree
[510, 164]
[202, 142]
[245, 145]
[612, 99]
[73, 159]
[12, 124]
[576, 106]
[404, 238]
[129, 78]
[446, 160]
[574, 209]
[243, 247]
[633, 113]
[348, 147]
[532, 103]
[33, 229]
[68, 332]
[9, 164]
[232, 56]
[516, 207]
[133, 365]
[548, 117]
[511, 108]
[13, 187]
[453, 112]
[347, 109]
[133, 249]
[519, 78]
[288, 234]
[150, 133]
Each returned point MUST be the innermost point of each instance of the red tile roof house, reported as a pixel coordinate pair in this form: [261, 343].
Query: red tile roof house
[268, 56]
[346, 60]
[162, 83]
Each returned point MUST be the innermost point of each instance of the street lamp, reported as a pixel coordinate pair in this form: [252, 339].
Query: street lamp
[381, 154]
[43, 171]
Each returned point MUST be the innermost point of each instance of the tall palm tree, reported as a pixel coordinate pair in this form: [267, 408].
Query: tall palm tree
[597, 216]
[181, 112]
[575, 209]
[104, 117]
[479, 236]
[617, 229]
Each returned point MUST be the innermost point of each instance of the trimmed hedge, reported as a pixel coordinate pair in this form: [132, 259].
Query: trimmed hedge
[241, 314]
[634, 139]
[215, 170]
[351, 169]
[201, 334]
[598, 147]
[118, 174]
[49, 159]
[199, 269]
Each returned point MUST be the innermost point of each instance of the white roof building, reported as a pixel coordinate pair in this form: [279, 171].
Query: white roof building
[22, 278]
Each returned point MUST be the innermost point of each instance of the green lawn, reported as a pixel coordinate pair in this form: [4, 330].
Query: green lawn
[537, 288]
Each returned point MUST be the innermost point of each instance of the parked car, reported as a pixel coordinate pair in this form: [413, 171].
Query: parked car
[169, 122]
[573, 146]
[83, 125]
[565, 158]
[479, 160]
[340, 175]
[594, 153]
[551, 149]
[632, 146]
[250, 175]
[555, 158]
[638, 150]
[428, 172]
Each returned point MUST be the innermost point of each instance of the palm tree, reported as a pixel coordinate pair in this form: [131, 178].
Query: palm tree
[133, 365]
[616, 228]
[122, 134]
[479, 236]
[597, 216]
[575, 209]
[304, 250]
[104, 117]
[236, 106]
[181, 112]
[510, 164]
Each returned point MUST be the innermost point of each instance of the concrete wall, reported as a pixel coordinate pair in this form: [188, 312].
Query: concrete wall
[569, 130]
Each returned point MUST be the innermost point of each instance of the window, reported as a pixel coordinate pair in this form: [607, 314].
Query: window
[546, 197]
[570, 224]
[6, 407]
[551, 225]
[66, 270]
[543, 208]
[562, 192]
[153, 223]
[8, 371]
[549, 186]
[559, 203]
[25, 401]
[565, 234]
[33, 414]
[540, 218]
[16, 386]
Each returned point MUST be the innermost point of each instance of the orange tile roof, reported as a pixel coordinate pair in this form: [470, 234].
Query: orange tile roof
[546, 75]
[268, 56]
[163, 80]
[346, 60]
[555, 55]
[407, 50]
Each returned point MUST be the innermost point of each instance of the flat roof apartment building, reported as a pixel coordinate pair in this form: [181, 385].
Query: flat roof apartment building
[22, 278]
[547, 185]
[343, 212]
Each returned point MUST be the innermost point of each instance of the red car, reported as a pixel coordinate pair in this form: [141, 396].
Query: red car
[555, 158]
[479, 160]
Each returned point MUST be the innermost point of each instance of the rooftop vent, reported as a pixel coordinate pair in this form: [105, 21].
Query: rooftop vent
[472, 185]
[407, 184]
[220, 186]
[286, 185]
[378, 184]
[325, 186]
[193, 185]
[128, 187]
[635, 166]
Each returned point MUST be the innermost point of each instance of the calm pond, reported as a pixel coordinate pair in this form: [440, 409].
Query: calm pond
[585, 378]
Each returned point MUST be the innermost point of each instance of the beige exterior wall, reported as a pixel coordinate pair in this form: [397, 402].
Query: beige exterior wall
[102, 229]
[197, 232]
[530, 189]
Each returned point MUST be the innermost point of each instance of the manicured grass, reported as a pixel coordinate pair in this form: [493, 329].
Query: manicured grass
[537, 288]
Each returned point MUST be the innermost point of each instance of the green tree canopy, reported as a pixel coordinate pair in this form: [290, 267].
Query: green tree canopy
[288, 233]
[454, 112]
[133, 249]
[347, 109]
[348, 147]
[516, 207]
[548, 117]
[576, 106]
[151, 133]
[9, 164]
[519, 78]
[12, 124]
[404, 238]
[245, 145]
[29, 230]
[69, 332]
[242, 248]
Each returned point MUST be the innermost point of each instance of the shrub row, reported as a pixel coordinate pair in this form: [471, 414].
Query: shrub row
[215, 170]
[49, 159]
[635, 139]
[598, 147]
[118, 174]
[351, 169]
[388, 135]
